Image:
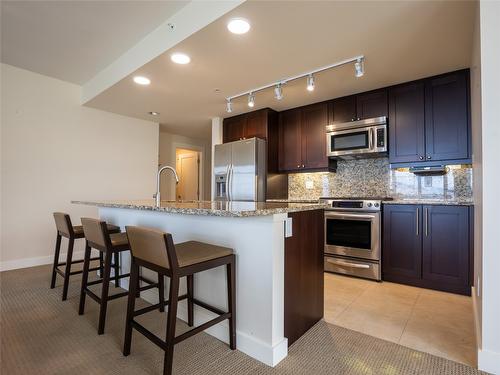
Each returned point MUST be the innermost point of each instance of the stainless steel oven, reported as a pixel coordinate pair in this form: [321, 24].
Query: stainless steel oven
[357, 139]
[353, 237]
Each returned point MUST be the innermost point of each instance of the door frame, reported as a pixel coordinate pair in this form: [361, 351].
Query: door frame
[201, 152]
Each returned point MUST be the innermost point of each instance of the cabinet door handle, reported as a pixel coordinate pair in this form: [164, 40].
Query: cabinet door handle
[421, 157]
[426, 219]
[429, 157]
[418, 219]
[298, 165]
[303, 166]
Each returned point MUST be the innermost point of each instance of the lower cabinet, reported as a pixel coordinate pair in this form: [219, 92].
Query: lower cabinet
[304, 273]
[428, 246]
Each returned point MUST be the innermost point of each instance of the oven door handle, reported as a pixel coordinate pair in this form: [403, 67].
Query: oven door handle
[349, 216]
[347, 264]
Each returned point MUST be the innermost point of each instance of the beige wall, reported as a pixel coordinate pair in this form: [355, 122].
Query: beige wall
[167, 144]
[53, 150]
[489, 355]
[475, 79]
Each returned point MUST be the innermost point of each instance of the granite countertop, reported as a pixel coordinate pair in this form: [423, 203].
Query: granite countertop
[209, 208]
[437, 201]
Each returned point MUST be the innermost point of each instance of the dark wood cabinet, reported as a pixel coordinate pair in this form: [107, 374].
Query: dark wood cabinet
[446, 245]
[371, 104]
[429, 120]
[342, 110]
[290, 143]
[234, 128]
[402, 241]
[256, 124]
[447, 117]
[303, 140]
[358, 107]
[314, 121]
[304, 278]
[428, 246]
[407, 123]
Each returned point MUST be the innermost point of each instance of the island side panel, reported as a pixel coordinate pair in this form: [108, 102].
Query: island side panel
[259, 246]
[304, 273]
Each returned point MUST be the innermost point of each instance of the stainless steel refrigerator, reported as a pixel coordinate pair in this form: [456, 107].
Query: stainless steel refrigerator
[240, 170]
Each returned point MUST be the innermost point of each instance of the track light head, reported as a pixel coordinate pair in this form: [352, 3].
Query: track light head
[278, 91]
[251, 100]
[310, 82]
[229, 106]
[359, 67]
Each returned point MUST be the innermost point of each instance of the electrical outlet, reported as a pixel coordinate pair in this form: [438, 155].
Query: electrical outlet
[309, 184]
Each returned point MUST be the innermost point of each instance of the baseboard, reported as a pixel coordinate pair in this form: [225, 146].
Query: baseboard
[33, 262]
[270, 355]
[488, 361]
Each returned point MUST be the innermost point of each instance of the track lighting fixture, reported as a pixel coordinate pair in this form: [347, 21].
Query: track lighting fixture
[310, 82]
[278, 91]
[251, 100]
[359, 70]
[359, 67]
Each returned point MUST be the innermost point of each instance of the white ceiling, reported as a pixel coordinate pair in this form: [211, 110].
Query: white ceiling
[74, 40]
[401, 41]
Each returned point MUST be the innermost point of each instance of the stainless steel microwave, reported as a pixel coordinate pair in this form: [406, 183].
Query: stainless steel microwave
[357, 139]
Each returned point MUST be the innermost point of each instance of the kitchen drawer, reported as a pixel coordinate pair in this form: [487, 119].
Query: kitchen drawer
[352, 267]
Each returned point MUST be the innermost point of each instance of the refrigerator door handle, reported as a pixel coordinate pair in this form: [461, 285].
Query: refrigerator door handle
[229, 182]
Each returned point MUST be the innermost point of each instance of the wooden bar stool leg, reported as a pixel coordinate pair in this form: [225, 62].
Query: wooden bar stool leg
[105, 291]
[161, 291]
[56, 261]
[171, 321]
[138, 290]
[190, 293]
[67, 271]
[134, 276]
[85, 277]
[101, 264]
[116, 268]
[231, 296]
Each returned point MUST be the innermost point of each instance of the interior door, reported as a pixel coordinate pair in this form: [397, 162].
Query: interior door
[188, 187]
[242, 178]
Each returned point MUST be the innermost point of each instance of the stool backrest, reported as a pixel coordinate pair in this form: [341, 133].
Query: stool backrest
[153, 246]
[96, 232]
[63, 224]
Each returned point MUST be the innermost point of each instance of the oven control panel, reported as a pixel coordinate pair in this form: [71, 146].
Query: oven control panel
[352, 204]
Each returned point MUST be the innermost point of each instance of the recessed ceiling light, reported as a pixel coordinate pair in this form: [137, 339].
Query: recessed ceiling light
[238, 26]
[153, 113]
[142, 80]
[180, 58]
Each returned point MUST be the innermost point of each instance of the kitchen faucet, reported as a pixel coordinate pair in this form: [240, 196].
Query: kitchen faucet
[157, 195]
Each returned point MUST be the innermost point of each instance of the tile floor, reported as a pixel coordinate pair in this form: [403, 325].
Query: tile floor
[434, 322]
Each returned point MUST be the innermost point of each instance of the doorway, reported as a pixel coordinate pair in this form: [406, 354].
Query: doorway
[188, 169]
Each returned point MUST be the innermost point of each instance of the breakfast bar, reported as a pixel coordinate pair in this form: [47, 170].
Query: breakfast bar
[279, 269]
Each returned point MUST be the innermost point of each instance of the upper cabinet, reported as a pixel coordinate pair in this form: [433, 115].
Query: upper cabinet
[447, 117]
[358, 107]
[429, 120]
[302, 143]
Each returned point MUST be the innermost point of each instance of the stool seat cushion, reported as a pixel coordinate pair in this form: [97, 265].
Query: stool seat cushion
[78, 229]
[193, 252]
[119, 239]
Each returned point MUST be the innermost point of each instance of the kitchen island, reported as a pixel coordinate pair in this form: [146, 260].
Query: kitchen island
[279, 264]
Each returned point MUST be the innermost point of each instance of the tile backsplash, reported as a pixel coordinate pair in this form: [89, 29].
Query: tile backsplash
[374, 178]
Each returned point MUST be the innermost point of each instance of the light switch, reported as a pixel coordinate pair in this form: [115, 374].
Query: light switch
[309, 184]
[288, 227]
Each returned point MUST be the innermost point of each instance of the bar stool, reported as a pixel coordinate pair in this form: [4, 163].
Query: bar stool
[71, 232]
[98, 237]
[156, 251]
